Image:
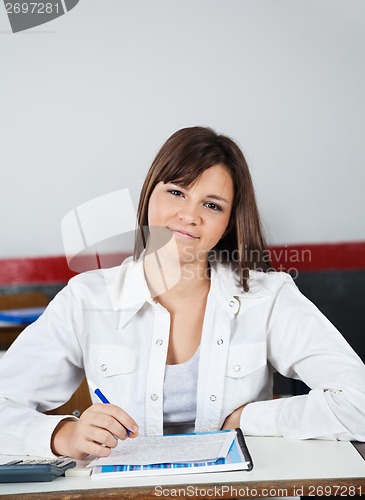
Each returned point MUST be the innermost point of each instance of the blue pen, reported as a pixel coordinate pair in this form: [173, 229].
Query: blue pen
[101, 396]
[104, 400]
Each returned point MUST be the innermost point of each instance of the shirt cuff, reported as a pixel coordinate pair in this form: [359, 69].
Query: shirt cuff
[258, 418]
[38, 440]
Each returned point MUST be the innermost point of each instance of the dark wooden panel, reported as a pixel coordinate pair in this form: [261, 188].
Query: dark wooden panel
[251, 489]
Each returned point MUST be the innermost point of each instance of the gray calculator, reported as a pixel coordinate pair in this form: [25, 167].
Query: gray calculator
[21, 471]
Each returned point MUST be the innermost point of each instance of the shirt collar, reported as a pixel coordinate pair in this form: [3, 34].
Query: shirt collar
[128, 289]
[226, 280]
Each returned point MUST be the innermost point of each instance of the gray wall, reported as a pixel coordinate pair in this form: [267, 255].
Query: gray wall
[87, 100]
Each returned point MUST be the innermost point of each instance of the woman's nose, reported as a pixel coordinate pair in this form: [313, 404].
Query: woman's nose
[189, 215]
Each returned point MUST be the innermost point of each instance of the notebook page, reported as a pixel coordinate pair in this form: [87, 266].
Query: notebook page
[177, 448]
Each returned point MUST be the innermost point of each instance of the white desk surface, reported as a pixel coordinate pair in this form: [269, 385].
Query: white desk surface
[274, 459]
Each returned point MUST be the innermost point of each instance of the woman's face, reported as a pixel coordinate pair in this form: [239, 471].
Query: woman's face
[197, 215]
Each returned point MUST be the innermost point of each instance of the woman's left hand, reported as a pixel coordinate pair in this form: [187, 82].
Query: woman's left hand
[233, 420]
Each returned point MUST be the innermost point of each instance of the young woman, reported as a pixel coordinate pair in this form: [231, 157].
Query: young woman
[186, 334]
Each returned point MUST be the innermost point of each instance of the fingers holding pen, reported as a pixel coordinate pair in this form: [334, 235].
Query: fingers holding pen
[115, 420]
[96, 432]
[127, 422]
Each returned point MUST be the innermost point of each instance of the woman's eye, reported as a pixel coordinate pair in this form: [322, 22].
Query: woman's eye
[175, 192]
[213, 206]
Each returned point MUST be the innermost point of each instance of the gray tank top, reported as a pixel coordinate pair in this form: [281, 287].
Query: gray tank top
[180, 395]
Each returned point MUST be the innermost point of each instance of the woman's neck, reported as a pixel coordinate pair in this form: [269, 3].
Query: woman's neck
[171, 282]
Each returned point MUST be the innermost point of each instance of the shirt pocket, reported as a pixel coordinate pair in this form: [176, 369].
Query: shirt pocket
[244, 359]
[111, 361]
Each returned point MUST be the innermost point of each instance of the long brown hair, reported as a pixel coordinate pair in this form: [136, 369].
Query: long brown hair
[182, 159]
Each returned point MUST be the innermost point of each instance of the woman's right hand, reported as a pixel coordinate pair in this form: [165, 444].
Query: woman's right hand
[95, 433]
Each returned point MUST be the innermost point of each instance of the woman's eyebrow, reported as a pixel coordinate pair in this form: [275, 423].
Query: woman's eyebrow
[216, 197]
[212, 196]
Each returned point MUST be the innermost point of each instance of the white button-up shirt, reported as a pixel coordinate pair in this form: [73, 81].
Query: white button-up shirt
[106, 325]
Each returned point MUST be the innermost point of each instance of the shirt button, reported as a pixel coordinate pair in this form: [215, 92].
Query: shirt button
[237, 368]
[159, 342]
[231, 303]
[154, 397]
[220, 341]
[213, 398]
[103, 368]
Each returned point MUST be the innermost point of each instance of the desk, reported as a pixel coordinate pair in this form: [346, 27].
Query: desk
[23, 305]
[20, 317]
[13, 321]
[282, 467]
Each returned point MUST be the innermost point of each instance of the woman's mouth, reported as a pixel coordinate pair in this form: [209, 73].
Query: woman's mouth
[180, 233]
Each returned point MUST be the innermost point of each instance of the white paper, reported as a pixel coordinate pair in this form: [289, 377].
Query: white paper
[177, 448]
